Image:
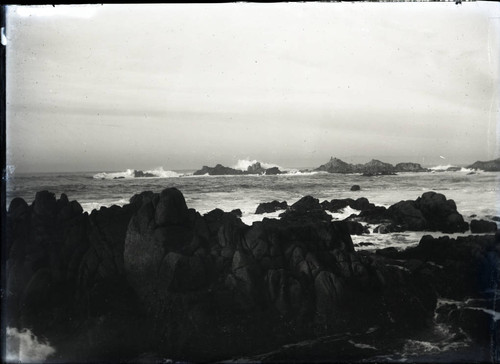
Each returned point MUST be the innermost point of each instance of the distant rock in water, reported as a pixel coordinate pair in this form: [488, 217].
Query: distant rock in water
[372, 168]
[375, 167]
[335, 165]
[272, 171]
[488, 166]
[143, 174]
[409, 167]
[220, 170]
[355, 188]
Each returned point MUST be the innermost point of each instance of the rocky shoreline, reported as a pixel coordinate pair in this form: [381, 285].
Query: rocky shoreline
[155, 279]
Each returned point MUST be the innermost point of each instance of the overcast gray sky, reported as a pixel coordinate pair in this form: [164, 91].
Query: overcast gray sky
[180, 86]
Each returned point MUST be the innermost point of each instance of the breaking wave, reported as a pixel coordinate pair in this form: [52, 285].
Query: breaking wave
[442, 167]
[134, 173]
[23, 346]
[243, 164]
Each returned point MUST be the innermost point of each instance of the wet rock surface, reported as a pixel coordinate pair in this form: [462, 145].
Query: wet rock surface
[156, 276]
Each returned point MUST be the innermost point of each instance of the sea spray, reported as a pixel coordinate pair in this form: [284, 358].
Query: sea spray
[243, 164]
[133, 173]
[23, 346]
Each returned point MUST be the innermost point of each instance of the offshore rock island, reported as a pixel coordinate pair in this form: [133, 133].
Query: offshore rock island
[155, 279]
[374, 167]
[220, 170]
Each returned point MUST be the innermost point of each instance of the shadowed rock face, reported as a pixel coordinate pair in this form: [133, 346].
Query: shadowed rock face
[157, 276]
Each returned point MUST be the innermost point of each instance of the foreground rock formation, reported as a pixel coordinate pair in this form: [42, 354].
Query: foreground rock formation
[157, 277]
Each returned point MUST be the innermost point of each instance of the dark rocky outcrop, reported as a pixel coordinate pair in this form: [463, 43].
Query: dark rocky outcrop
[236, 212]
[409, 167]
[375, 167]
[220, 170]
[429, 212]
[143, 174]
[489, 166]
[372, 168]
[355, 188]
[482, 226]
[464, 267]
[272, 171]
[156, 276]
[335, 165]
[267, 207]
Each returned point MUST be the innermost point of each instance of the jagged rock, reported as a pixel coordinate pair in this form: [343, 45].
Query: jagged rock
[210, 287]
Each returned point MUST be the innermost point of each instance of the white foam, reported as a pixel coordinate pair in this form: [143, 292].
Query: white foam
[442, 167]
[362, 346]
[343, 213]
[129, 173]
[470, 170]
[89, 206]
[250, 218]
[23, 346]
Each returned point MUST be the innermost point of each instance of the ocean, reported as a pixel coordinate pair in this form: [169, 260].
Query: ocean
[476, 194]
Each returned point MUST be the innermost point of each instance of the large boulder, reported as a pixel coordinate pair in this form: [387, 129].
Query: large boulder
[441, 213]
[307, 207]
[430, 212]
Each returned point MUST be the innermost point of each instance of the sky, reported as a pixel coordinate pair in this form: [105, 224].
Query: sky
[112, 87]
